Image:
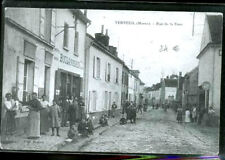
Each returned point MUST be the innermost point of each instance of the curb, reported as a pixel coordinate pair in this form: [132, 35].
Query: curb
[85, 142]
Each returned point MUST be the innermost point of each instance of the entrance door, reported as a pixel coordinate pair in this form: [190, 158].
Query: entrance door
[63, 85]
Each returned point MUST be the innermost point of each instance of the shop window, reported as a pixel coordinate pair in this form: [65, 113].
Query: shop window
[68, 86]
[66, 36]
[28, 80]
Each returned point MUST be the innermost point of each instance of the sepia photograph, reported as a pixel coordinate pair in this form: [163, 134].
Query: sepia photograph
[111, 81]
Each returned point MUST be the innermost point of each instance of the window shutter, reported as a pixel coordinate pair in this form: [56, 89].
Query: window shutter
[42, 23]
[53, 26]
[94, 67]
[76, 43]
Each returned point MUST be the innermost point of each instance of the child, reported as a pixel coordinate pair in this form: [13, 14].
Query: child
[103, 120]
[55, 117]
[82, 128]
[123, 120]
[89, 125]
[72, 133]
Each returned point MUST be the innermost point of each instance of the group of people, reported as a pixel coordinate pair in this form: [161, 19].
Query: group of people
[131, 109]
[194, 114]
[190, 114]
[42, 116]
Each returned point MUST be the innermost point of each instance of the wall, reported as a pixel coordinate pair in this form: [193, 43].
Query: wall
[170, 91]
[206, 37]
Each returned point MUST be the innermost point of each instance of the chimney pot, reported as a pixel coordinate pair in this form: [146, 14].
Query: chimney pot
[102, 29]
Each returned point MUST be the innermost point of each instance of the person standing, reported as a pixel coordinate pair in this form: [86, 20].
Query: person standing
[194, 114]
[8, 116]
[55, 118]
[34, 106]
[80, 114]
[72, 112]
[44, 116]
[114, 106]
[179, 114]
[65, 108]
[187, 116]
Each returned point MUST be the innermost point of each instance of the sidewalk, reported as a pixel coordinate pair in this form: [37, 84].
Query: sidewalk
[52, 143]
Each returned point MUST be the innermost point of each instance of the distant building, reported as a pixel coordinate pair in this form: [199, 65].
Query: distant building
[210, 59]
[190, 88]
[168, 90]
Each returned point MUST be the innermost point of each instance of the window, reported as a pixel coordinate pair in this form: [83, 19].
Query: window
[94, 99]
[94, 67]
[48, 21]
[76, 44]
[117, 75]
[28, 80]
[66, 35]
[98, 67]
[47, 81]
[106, 100]
[108, 72]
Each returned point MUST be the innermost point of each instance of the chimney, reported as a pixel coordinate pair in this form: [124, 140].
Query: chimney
[106, 32]
[85, 13]
[100, 37]
[113, 50]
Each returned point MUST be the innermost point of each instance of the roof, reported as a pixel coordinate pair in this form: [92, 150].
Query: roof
[215, 27]
[104, 49]
[215, 23]
[170, 82]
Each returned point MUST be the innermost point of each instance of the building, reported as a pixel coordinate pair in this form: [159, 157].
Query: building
[28, 48]
[155, 94]
[67, 74]
[41, 54]
[190, 88]
[168, 90]
[210, 59]
[131, 88]
[125, 83]
[179, 94]
[103, 74]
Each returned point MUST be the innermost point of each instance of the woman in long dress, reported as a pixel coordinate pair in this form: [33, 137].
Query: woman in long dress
[187, 116]
[44, 116]
[34, 117]
[9, 112]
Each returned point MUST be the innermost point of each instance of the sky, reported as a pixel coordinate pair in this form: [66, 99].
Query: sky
[162, 45]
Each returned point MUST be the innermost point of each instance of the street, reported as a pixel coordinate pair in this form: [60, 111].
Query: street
[156, 131]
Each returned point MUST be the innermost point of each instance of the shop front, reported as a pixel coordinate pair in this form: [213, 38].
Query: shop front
[68, 76]
[67, 84]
